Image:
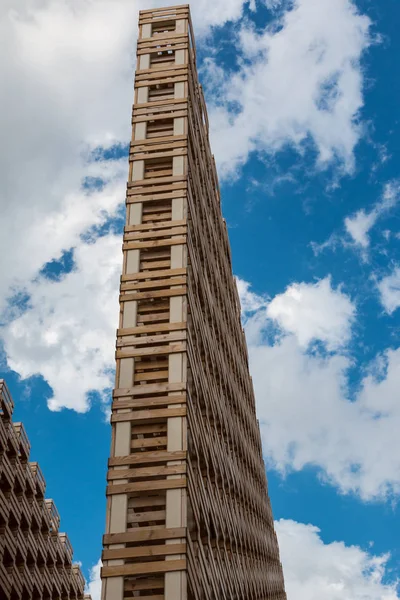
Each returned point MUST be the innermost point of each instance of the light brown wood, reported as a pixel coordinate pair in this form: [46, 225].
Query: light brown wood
[145, 415]
[157, 566]
[144, 535]
[146, 457]
[148, 402]
[184, 404]
[141, 486]
[25, 503]
[145, 472]
[144, 551]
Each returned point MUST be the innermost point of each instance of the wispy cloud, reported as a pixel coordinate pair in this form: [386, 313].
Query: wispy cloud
[360, 224]
[389, 290]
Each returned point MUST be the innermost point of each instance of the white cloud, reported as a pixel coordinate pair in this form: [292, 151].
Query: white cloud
[307, 414]
[249, 301]
[314, 312]
[389, 289]
[67, 333]
[359, 225]
[314, 570]
[299, 81]
[67, 67]
[94, 585]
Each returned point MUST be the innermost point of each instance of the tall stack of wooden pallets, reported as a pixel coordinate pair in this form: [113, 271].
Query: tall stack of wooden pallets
[188, 514]
[35, 559]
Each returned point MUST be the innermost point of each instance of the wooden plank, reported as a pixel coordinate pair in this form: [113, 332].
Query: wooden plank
[162, 47]
[156, 274]
[160, 74]
[147, 415]
[148, 142]
[152, 351]
[149, 235]
[173, 179]
[140, 486]
[147, 472]
[160, 67]
[144, 551]
[160, 11]
[153, 294]
[155, 155]
[164, 79]
[155, 226]
[144, 535]
[152, 375]
[165, 566]
[152, 285]
[149, 442]
[154, 244]
[146, 457]
[138, 107]
[156, 191]
[168, 114]
[140, 198]
[151, 329]
[174, 336]
[167, 36]
[156, 106]
[167, 16]
[154, 388]
[148, 402]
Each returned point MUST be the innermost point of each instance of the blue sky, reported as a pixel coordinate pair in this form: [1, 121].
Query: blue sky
[303, 100]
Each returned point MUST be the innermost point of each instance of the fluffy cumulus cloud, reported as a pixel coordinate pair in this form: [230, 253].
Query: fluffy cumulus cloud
[307, 413]
[298, 82]
[389, 289]
[318, 571]
[67, 332]
[68, 67]
[359, 225]
[314, 312]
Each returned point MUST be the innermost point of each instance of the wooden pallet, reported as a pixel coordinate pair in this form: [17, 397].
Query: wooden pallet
[188, 514]
[35, 559]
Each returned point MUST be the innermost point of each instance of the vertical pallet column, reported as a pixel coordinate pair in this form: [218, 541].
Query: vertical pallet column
[176, 500]
[145, 543]
[232, 546]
